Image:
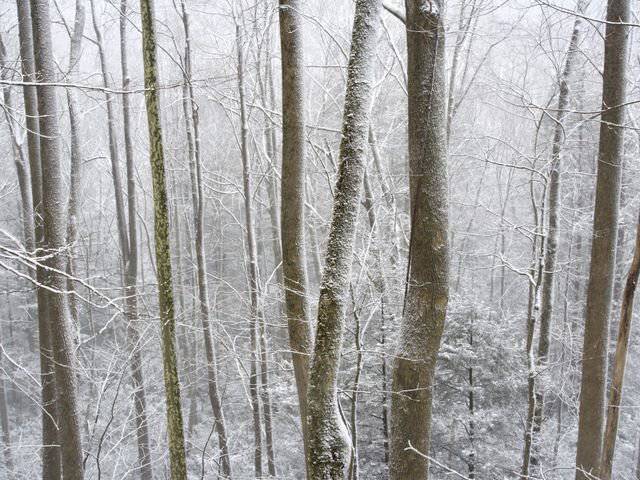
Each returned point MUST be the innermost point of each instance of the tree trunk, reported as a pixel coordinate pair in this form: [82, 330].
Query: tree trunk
[619, 362]
[54, 225]
[253, 265]
[292, 205]
[163, 256]
[551, 239]
[197, 195]
[427, 291]
[51, 468]
[75, 175]
[328, 439]
[605, 230]
[131, 268]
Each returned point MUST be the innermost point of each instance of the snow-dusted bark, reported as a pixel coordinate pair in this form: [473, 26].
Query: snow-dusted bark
[54, 227]
[328, 439]
[197, 195]
[550, 250]
[162, 251]
[603, 247]
[130, 273]
[293, 196]
[427, 288]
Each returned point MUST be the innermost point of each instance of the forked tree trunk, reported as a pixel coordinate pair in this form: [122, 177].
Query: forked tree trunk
[605, 231]
[292, 205]
[163, 255]
[619, 363]
[197, 195]
[427, 289]
[328, 439]
[54, 225]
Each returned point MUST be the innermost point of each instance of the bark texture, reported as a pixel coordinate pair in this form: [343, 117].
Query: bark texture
[427, 287]
[605, 232]
[294, 269]
[328, 439]
[54, 225]
[162, 250]
[619, 363]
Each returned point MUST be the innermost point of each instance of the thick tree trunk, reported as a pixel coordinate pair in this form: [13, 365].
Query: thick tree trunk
[163, 255]
[328, 439]
[51, 468]
[197, 195]
[54, 225]
[293, 196]
[131, 268]
[619, 363]
[427, 276]
[605, 230]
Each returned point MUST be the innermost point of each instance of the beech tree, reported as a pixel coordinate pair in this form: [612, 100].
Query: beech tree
[57, 323]
[603, 246]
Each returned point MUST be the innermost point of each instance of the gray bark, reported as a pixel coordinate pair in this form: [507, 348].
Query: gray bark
[131, 269]
[605, 231]
[293, 196]
[328, 439]
[427, 289]
[54, 226]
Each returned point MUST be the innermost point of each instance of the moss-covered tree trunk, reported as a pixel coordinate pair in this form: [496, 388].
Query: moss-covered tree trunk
[162, 251]
[427, 288]
[328, 439]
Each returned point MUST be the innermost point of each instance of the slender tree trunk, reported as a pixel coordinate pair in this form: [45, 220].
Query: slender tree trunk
[253, 265]
[131, 268]
[605, 230]
[54, 225]
[551, 239]
[163, 255]
[427, 287]
[619, 363]
[75, 176]
[292, 205]
[328, 439]
[22, 168]
[195, 168]
[6, 432]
